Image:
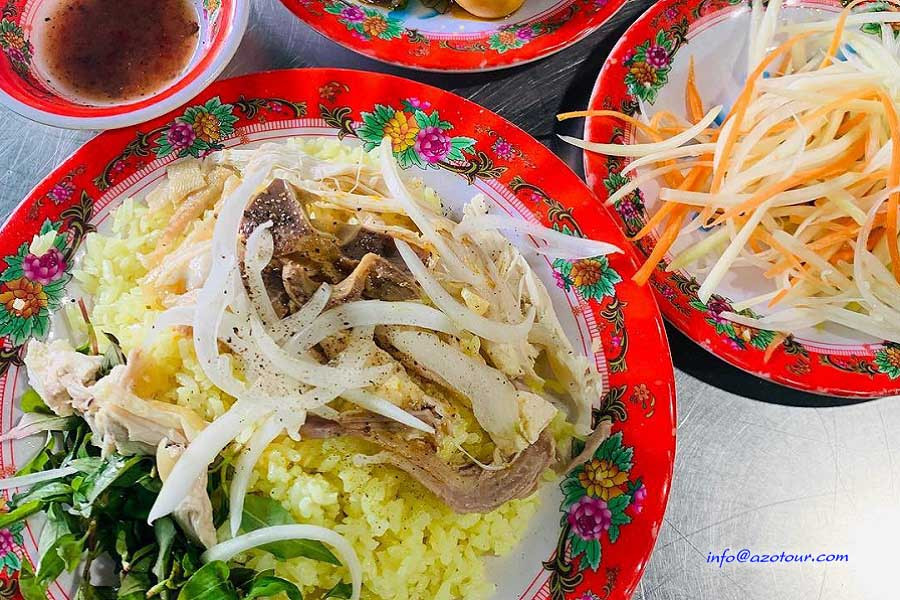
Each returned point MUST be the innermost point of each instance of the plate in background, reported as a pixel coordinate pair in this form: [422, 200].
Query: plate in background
[423, 38]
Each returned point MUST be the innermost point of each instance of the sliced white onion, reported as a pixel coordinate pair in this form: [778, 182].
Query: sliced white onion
[278, 533]
[199, 455]
[301, 319]
[211, 305]
[380, 406]
[28, 480]
[308, 371]
[371, 312]
[243, 468]
[219, 288]
[492, 396]
[645, 149]
[259, 250]
[34, 423]
[174, 317]
[559, 244]
[467, 319]
[398, 189]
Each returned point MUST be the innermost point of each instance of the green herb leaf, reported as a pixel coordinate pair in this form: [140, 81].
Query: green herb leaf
[134, 586]
[241, 577]
[33, 403]
[87, 591]
[59, 523]
[28, 584]
[112, 469]
[63, 554]
[20, 513]
[260, 511]
[50, 491]
[165, 532]
[266, 584]
[210, 582]
[341, 590]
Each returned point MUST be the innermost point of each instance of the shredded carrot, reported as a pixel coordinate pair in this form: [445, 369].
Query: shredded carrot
[693, 103]
[657, 218]
[665, 241]
[839, 33]
[850, 124]
[874, 238]
[743, 102]
[646, 129]
[845, 253]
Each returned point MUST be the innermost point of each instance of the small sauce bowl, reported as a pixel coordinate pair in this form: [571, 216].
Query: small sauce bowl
[26, 90]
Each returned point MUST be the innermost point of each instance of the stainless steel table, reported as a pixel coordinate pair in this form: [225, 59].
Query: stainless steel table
[758, 467]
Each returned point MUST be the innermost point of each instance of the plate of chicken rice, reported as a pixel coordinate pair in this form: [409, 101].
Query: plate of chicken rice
[326, 334]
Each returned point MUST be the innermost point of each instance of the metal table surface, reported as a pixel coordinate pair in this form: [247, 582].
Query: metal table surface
[758, 466]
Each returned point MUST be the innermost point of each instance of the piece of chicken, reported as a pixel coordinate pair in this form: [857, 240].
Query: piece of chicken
[194, 514]
[120, 420]
[60, 375]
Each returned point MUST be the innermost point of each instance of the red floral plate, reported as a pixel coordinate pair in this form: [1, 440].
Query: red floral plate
[594, 531]
[646, 72]
[422, 38]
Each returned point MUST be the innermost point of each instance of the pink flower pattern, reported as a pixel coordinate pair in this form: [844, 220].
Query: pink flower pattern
[181, 135]
[589, 518]
[433, 144]
[46, 268]
[504, 149]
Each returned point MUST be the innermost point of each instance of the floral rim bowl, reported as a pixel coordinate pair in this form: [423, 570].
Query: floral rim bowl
[646, 72]
[596, 526]
[24, 90]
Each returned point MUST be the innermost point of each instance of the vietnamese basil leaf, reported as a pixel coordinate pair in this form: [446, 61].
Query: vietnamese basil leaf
[20, 513]
[241, 577]
[33, 403]
[87, 591]
[260, 511]
[95, 483]
[266, 585]
[341, 590]
[59, 523]
[164, 531]
[136, 581]
[28, 584]
[210, 582]
[86, 465]
[49, 491]
[64, 554]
